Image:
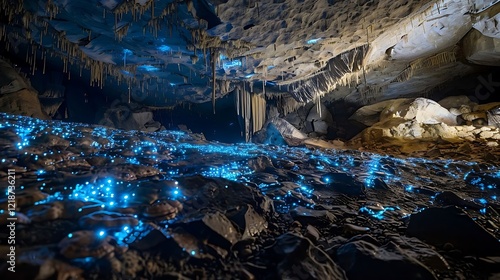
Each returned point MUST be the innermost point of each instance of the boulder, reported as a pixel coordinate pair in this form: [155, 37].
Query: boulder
[279, 132]
[248, 221]
[369, 115]
[456, 101]
[320, 127]
[141, 118]
[452, 225]
[16, 94]
[493, 116]
[363, 260]
[129, 117]
[422, 110]
[297, 258]
[315, 115]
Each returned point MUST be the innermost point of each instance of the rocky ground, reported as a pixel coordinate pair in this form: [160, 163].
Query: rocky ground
[99, 203]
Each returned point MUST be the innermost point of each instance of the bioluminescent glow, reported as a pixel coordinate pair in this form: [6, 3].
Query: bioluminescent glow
[231, 64]
[148, 68]
[164, 48]
[313, 41]
[129, 159]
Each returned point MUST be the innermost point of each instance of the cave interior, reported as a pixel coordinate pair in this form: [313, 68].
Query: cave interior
[250, 139]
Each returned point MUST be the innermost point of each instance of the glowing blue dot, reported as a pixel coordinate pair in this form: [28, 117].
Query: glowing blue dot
[101, 233]
[125, 197]
[70, 235]
[483, 201]
[193, 253]
[125, 228]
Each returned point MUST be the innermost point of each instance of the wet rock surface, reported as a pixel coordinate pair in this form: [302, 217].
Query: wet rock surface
[100, 203]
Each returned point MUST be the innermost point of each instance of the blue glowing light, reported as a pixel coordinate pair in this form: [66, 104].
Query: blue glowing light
[231, 64]
[313, 41]
[167, 151]
[164, 48]
[148, 68]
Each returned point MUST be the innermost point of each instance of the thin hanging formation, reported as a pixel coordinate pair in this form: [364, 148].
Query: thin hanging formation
[214, 61]
[258, 111]
[252, 109]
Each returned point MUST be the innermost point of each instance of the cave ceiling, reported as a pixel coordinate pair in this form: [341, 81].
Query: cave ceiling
[170, 51]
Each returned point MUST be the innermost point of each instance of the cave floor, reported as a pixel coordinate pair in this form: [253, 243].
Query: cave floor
[100, 203]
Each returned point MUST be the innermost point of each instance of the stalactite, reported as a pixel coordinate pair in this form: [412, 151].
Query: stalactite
[44, 54]
[340, 70]
[214, 54]
[258, 111]
[437, 60]
[34, 61]
[237, 101]
[318, 105]
[129, 92]
[246, 109]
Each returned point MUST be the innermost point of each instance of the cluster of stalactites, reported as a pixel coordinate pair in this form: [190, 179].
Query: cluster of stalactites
[437, 60]
[10, 8]
[251, 107]
[342, 70]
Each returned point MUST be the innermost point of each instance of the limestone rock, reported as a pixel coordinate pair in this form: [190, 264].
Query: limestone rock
[141, 118]
[481, 49]
[493, 116]
[370, 114]
[427, 111]
[16, 94]
[320, 127]
[314, 115]
[456, 101]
